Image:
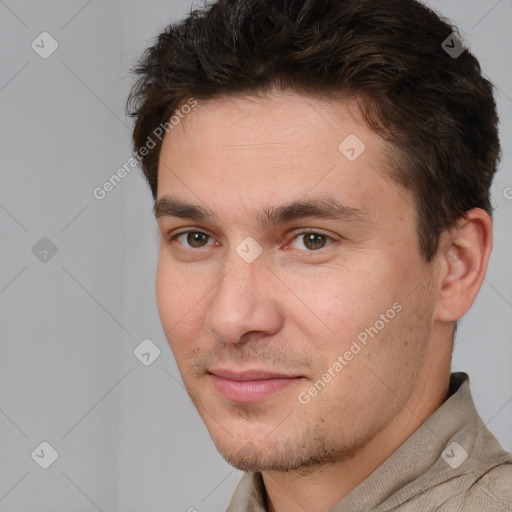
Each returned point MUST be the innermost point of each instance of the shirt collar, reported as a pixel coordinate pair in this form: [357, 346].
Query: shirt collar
[405, 474]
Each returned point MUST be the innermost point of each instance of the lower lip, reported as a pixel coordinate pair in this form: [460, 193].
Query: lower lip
[251, 391]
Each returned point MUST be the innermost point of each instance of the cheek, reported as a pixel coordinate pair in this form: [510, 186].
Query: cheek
[179, 302]
[338, 303]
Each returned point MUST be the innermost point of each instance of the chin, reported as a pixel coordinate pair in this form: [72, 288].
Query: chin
[252, 459]
[290, 454]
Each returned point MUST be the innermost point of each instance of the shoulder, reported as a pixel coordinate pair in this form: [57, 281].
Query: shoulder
[489, 492]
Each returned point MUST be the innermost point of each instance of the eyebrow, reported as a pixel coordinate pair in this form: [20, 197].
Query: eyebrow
[324, 208]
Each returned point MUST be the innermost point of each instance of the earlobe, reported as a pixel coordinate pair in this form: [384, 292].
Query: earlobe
[464, 256]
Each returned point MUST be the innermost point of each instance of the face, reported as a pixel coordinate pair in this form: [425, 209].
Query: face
[290, 285]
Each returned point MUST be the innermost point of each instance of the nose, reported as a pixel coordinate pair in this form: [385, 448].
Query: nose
[244, 302]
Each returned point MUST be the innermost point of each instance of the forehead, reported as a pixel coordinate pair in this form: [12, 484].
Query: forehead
[282, 147]
[300, 122]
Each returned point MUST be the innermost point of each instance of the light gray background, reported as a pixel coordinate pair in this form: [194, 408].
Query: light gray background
[127, 437]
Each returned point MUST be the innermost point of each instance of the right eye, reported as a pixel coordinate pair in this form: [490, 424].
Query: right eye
[193, 239]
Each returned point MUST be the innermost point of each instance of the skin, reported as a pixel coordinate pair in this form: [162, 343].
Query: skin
[298, 306]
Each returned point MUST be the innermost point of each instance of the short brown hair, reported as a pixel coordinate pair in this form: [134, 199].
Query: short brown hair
[437, 112]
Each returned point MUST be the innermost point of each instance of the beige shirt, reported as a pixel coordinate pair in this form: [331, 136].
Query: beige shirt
[452, 463]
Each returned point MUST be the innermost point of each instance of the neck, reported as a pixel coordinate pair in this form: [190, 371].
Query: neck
[318, 489]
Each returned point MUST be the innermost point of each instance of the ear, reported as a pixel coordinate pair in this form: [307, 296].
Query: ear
[463, 255]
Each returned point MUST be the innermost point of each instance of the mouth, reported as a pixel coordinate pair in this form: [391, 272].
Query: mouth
[250, 386]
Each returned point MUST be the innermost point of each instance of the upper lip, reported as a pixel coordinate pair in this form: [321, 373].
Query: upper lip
[251, 374]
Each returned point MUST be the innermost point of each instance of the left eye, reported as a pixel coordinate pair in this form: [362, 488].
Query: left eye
[310, 241]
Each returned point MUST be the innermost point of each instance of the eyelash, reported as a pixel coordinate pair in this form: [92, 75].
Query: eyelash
[300, 233]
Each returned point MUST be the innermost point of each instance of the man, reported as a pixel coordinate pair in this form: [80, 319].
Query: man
[321, 174]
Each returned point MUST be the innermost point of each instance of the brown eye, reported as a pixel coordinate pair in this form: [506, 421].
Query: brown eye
[196, 240]
[314, 241]
[309, 241]
[193, 239]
